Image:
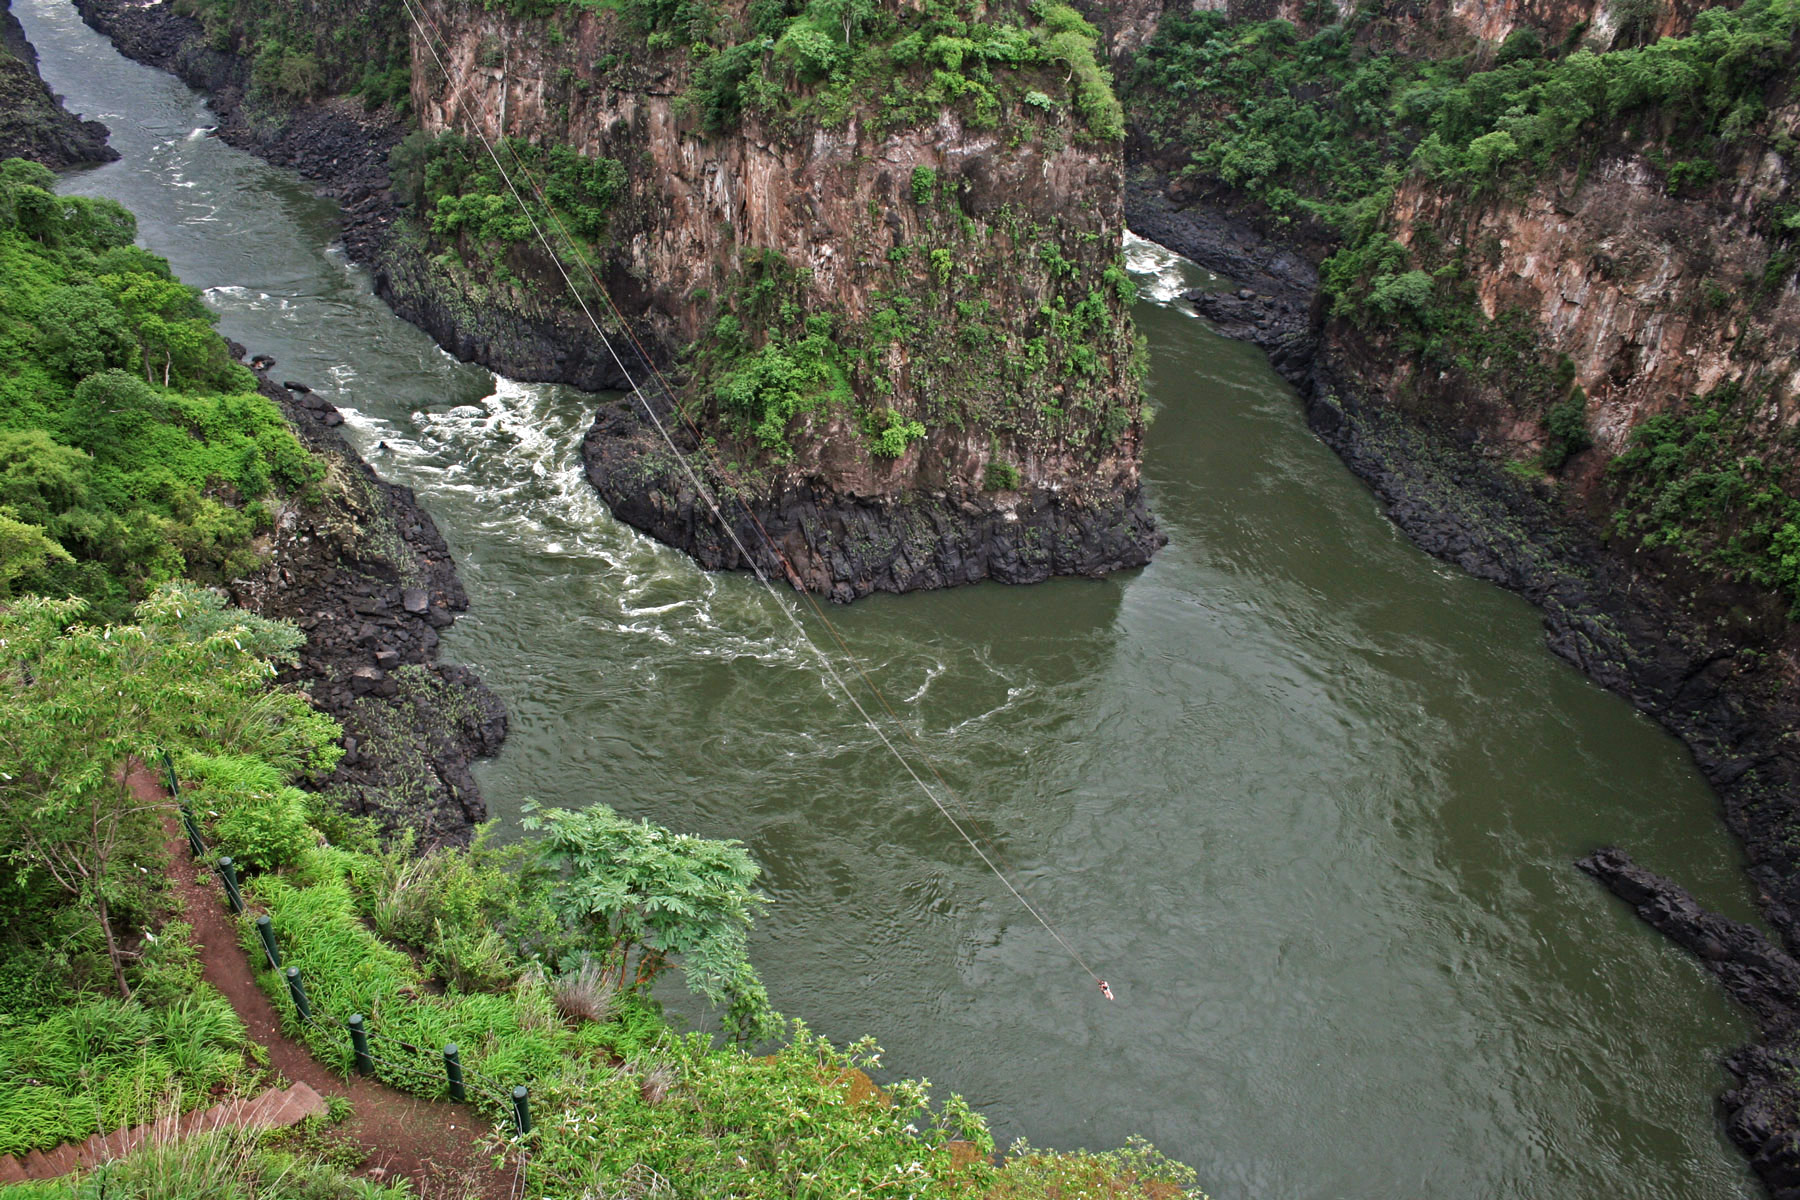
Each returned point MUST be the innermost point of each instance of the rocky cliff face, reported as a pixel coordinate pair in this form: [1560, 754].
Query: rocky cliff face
[870, 272]
[33, 122]
[909, 324]
[1475, 24]
[1651, 298]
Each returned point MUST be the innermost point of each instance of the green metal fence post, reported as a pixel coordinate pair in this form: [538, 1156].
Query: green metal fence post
[522, 1110]
[298, 992]
[196, 847]
[359, 1043]
[266, 931]
[228, 873]
[453, 1071]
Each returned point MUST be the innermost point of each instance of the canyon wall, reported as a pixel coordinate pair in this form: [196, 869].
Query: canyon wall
[1538, 289]
[944, 277]
[33, 122]
[869, 277]
[1477, 25]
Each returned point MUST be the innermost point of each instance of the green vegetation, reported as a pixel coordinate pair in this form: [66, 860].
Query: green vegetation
[538, 959]
[82, 1064]
[1691, 480]
[132, 450]
[1323, 125]
[454, 186]
[935, 334]
[303, 50]
[81, 859]
[226, 1164]
[76, 701]
[787, 62]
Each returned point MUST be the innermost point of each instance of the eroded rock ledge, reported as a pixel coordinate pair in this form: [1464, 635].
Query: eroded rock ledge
[846, 547]
[1759, 975]
[364, 571]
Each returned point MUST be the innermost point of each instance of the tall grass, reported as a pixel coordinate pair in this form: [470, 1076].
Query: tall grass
[101, 1064]
[223, 1164]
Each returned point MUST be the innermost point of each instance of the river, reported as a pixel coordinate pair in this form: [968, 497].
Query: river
[1306, 797]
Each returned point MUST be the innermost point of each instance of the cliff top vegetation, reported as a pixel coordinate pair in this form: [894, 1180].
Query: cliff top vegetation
[132, 449]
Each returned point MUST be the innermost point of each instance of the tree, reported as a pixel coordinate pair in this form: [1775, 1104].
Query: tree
[645, 895]
[24, 549]
[174, 329]
[79, 702]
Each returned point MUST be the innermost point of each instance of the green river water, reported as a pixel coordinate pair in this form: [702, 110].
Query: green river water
[1306, 797]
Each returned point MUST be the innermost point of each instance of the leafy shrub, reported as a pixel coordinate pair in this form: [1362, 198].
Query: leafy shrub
[924, 185]
[131, 451]
[619, 882]
[459, 191]
[476, 914]
[1684, 483]
[1001, 477]
[764, 391]
[1138, 1169]
[265, 831]
[1566, 425]
[896, 435]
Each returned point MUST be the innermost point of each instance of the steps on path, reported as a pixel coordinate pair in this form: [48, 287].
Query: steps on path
[276, 1108]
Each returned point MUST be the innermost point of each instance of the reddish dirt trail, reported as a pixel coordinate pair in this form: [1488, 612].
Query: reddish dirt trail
[434, 1143]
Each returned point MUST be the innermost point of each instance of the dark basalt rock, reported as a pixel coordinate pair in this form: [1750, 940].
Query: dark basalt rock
[1759, 1112]
[367, 575]
[845, 547]
[33, 122]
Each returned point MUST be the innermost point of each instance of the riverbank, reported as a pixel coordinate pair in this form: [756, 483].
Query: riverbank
[33, 122]
[363, 570]
[1628, 625]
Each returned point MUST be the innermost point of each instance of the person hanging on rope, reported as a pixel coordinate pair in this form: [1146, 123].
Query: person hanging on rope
[1105, 991]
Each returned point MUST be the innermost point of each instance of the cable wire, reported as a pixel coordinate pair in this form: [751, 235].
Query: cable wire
[706, 494]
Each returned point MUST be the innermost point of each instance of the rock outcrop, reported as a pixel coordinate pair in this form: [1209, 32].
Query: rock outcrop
[364, 572]
[893, 320]
[33, 122]
[1759, 1111]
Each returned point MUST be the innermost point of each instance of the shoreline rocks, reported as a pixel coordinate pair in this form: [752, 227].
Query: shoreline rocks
[843, 547]
[1759, 1111]
[364, 571]
[33, 122]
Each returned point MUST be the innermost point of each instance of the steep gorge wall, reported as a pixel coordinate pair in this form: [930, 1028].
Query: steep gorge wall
[1478, 25]
[888, 297]
[33, 122]
[948, 277]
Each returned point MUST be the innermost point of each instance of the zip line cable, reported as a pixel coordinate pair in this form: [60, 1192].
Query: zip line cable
[706, 494]
[644, 357]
